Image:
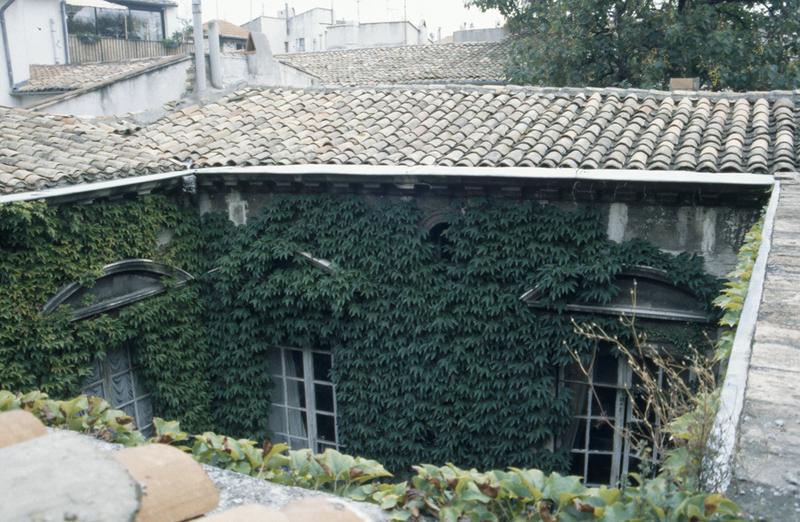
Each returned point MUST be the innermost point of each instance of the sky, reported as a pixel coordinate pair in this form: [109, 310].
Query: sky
[447, 14]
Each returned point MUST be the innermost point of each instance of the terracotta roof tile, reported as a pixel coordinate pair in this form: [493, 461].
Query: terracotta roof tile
[59, 78]
[454, 126]
[448, 63]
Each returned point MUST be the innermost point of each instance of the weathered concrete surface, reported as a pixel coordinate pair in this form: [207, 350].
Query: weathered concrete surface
[236, 489]
[62, 476]
[766, 478]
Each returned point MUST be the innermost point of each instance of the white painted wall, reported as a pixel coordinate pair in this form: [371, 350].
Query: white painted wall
[352, 35]
[309, 25]
[274, 28]
[5, 89]
[173, 21]
[146, 92]
[236, 71]
[35, 36]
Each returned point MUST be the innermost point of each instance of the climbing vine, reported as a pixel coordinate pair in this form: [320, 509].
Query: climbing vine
[43, 247]
[436, 359]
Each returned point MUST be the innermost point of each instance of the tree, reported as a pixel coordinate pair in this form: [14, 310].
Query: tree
[728, 44]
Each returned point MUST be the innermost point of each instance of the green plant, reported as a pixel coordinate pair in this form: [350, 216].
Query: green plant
[90, 415]
[435, 357]
[174, 41]
[731, 299]
[444, 493]
[43, 247]
[728, 44]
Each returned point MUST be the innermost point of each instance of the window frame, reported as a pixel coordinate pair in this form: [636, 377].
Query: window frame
[622, 417]
[311, 440]
[106, 381]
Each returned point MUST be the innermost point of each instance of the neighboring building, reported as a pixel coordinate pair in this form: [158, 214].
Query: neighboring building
[490, 34]
[145, 20]
[355, 35]
[107, 89]
[476, 63]
[289, 32]
[31, 32]
[231, 36]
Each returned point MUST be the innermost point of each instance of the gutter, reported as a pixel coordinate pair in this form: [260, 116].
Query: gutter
[7, 51]
[724, 434]
[397, 174]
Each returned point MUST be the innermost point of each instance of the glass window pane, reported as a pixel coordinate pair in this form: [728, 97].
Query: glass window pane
[576, 464]
[111, 23]
[323, 395]
[322, 447]
[276, 394]
[605, 368]
[294, 363]
[322, 366]
[121, 388]
[145, 409]
[298, 443]
[599, 471]
[580, 436]
[604, 401]
[298, 424]
[295, 393]
[80, 20]
[129, 410]
[117, 360]
[145, 25]
[277, 419]
[326, 428]
[274, 361]
[96, 390]
[97, 373]
[601, 436]
[277, 438]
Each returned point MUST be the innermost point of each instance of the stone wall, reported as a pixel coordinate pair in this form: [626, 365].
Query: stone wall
[707, 222]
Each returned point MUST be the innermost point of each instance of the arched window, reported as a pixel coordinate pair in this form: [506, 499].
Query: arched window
[604, 436]
[114, 377]
[437, 235]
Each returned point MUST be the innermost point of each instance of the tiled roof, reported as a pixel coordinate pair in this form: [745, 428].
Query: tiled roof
[442, 63]
[455, 126]
[54, 78]
[229, 30]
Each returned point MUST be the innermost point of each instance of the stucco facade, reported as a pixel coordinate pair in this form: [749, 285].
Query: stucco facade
[34, 33]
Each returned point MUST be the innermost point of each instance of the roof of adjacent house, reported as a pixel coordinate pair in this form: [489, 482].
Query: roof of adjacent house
[61, 78]
[229, 30]
[437, 63]
[406, 126]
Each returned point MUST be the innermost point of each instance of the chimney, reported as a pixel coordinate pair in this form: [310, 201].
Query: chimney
[684, 84]
[214, 58]
[199, 51]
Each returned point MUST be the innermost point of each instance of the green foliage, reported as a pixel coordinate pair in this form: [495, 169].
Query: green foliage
[42, 248]
[731, 299]
[434, 493]
[90, 415]
[729, 44]
[435, 357]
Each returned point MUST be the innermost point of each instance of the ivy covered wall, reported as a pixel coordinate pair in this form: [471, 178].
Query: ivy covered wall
[43, 247]
[435, 357]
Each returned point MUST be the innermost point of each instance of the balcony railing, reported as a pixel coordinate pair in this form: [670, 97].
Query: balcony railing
[98, 49]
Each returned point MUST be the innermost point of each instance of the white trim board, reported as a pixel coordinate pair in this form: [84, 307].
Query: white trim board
[724, 434]
[378, 171]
